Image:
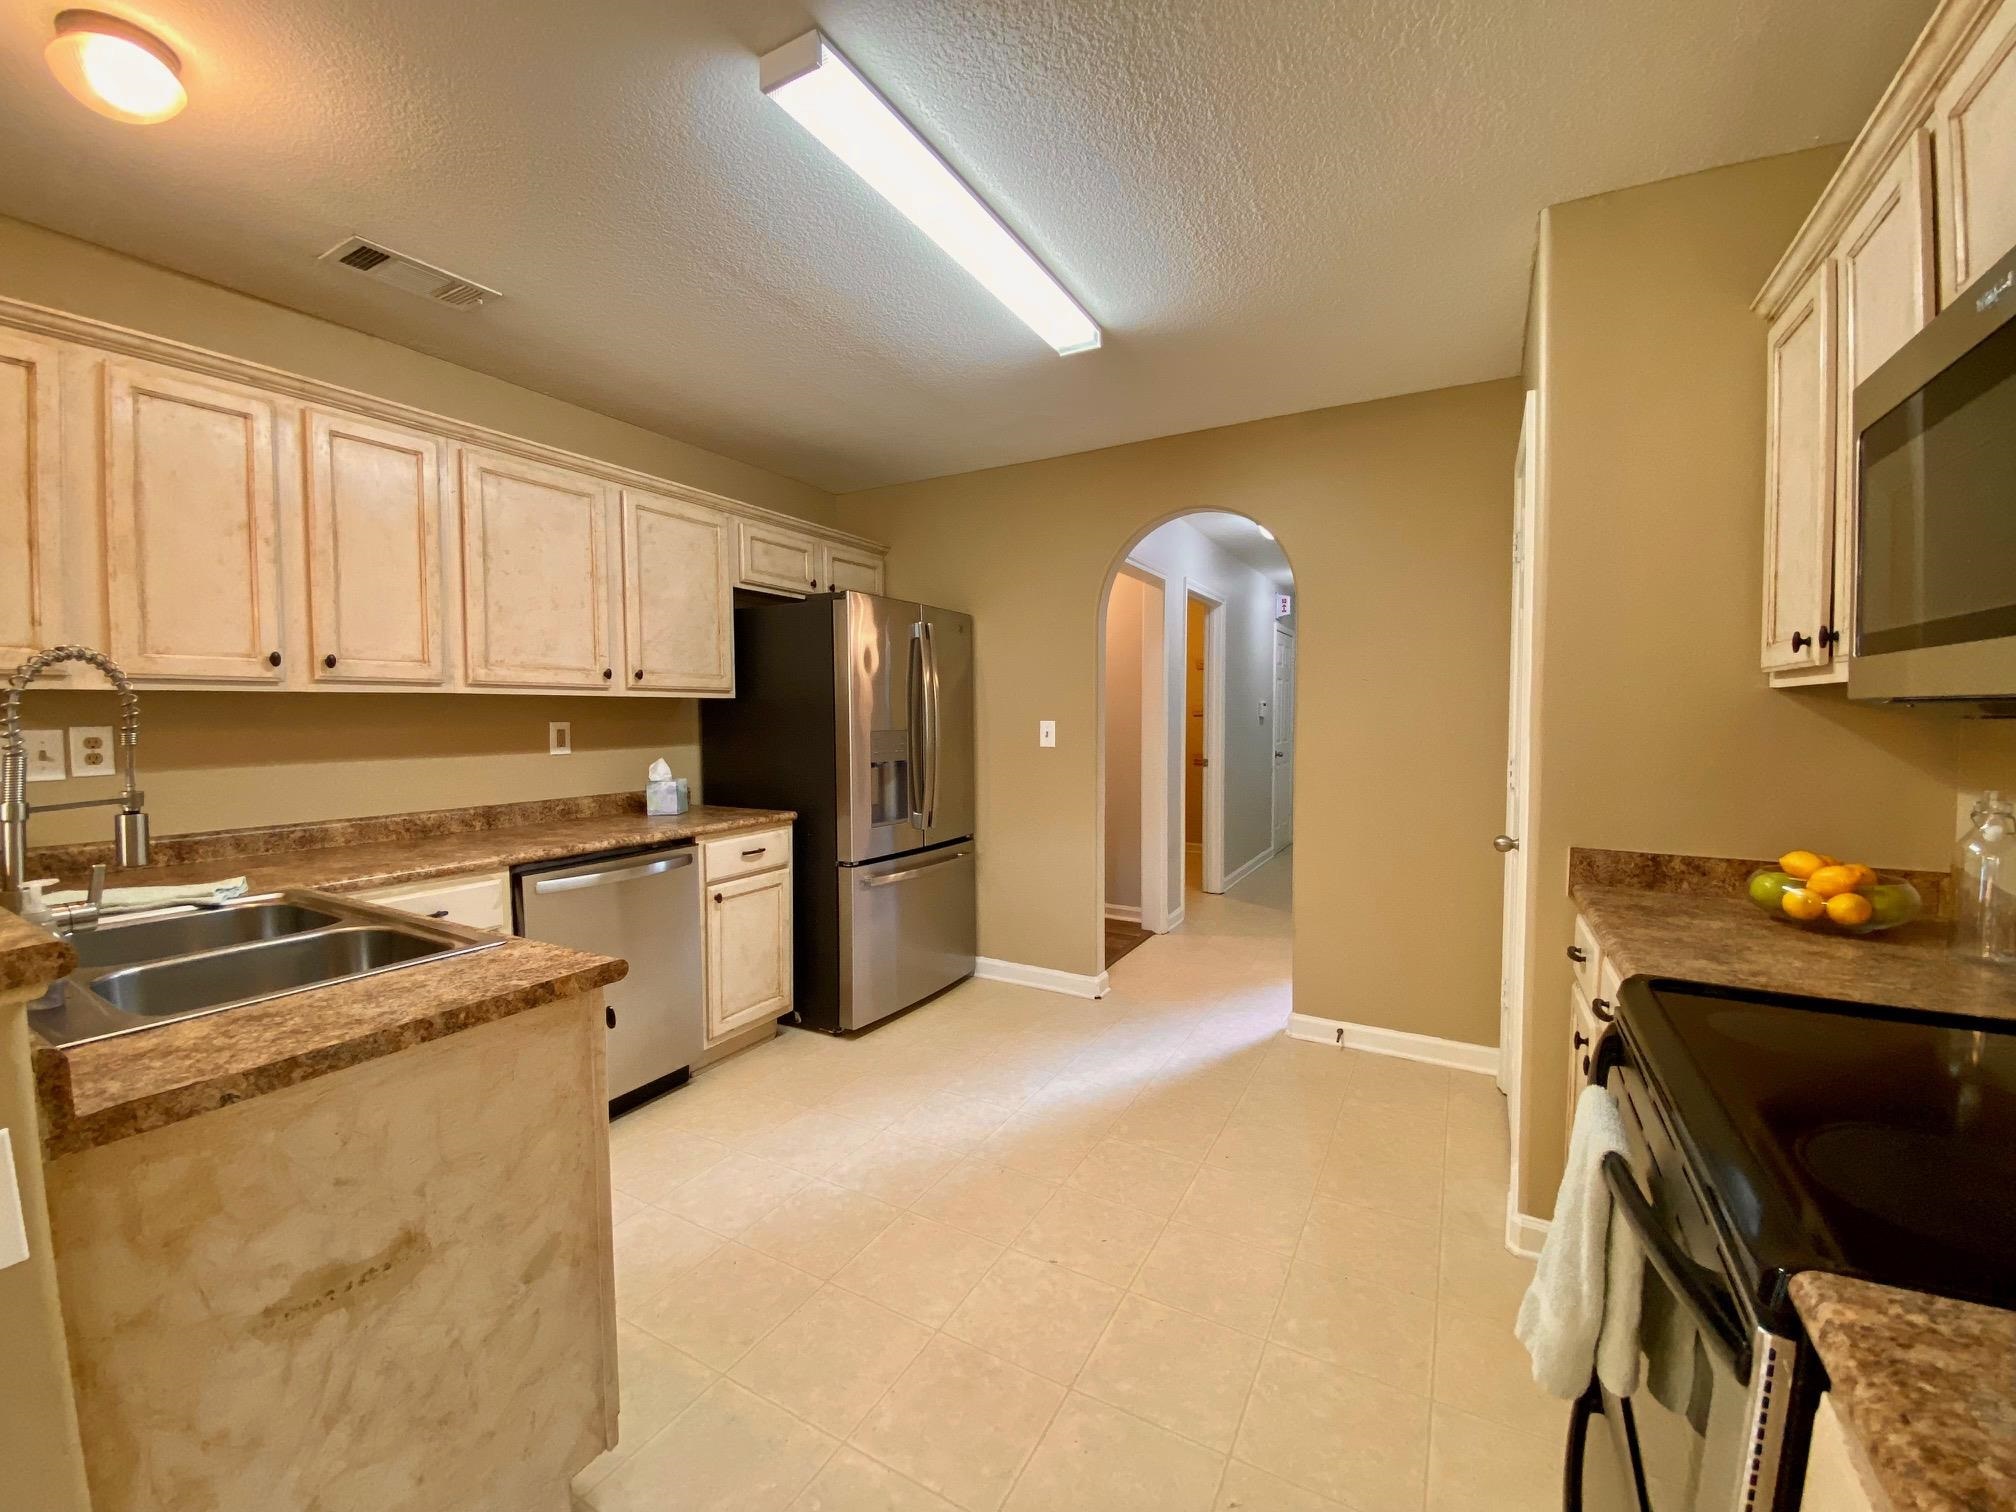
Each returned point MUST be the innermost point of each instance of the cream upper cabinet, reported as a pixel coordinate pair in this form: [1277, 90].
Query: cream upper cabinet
[535, 573]
[748, 952]
[30, 495]
[678, 595]
[1799, 477]
[192, 561]
[373, 496]
[1974, 126]
[855, 568]
[776, 559]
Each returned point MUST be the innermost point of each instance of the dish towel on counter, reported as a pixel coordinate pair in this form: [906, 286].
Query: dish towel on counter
[1581, 1312]
[134, 898]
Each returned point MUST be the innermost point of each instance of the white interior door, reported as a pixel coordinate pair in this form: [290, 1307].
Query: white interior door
[1284, 736]
[1512, 951]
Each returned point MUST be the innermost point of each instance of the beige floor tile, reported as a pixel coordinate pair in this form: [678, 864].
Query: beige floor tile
[1248, 1488]
[1037, 1314]
[1481, 1369]
[920, 1268]
[1269, 1149]
[1094, 1456]
[653, 1250]
[730, 1114]
[1405, 1183]
[1180, 1372]
[956, 1122]
[820, 1228]
[1475, 1204]
[897, 1168]
[1262, 1210]
[1397, 1083]
[654, 1165]
[1136, 1176]
[656, 1383]
[1481, 1275]
[1373, 1246]
[984, 1199]
[717, 1310]
[1336, 1432]
[1213, 1276]
[622, 1205]
[730, 1451]
[1182, 1123]
[852, 1482]
[832, 1359]
[1102, 1239]
[960, 1422]
[877, 1100]
[1374, 1330]
[1046, 1143]
[1472, 1463]
[812, 1143]
[732, 1194]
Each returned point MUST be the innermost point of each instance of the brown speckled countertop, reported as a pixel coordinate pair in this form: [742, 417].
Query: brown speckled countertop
[1926, 1385]
[30, 956]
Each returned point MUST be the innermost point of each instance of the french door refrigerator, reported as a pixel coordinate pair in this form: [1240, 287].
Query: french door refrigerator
[857, 711]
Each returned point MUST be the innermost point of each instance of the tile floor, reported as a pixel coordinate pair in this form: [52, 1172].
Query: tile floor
[1020, 1251]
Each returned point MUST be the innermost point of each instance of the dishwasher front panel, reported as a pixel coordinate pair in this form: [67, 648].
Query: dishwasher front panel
[644, 907]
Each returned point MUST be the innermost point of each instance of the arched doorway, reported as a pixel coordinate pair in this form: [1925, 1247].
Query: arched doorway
[1196, 637]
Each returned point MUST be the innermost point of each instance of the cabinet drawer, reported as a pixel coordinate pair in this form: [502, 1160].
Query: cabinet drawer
[481, 902]
[745, 855]
[1590, 965]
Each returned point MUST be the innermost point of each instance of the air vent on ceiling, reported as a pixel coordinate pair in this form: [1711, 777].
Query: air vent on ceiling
[409, 273]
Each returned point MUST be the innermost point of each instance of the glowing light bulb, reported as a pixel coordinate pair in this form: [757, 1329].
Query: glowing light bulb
[116, 68]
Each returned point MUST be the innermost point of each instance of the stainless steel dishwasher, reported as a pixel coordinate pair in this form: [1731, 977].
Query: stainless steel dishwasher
[642, 905]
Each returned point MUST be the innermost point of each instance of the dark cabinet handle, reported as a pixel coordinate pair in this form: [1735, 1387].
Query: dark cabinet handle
[1829, 637]
[439, 913]
[608, 674]
[272, 658]
[1577, 954]
[1603, 1011]
[1581, 1040]
[1800, 641]
[751, 855]
[610, 1014]
[329, 660]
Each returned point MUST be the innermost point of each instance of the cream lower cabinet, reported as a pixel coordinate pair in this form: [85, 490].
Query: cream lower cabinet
[678, 596]
[749, 940]
[845, 568]
[481, 901]
[776, 559]
[30, 494]
[1836, 1480]
[192, 556]
[1974, 129]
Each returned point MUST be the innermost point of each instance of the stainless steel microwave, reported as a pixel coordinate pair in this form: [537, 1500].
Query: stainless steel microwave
[1935, 588]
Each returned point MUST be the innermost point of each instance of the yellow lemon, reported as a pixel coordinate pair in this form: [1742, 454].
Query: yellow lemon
[1802, 905]
[1801, 864]
[1830, 880]
[1850, 909]
[1864, 876]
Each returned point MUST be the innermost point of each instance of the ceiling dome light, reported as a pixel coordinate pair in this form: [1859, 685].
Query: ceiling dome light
[116, 68]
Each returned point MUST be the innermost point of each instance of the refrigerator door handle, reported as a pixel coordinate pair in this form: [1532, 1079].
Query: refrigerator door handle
[914, 768]
[933, 725]
[890, 879]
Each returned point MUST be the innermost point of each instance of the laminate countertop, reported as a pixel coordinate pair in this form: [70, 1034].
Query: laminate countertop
[1926, 1385]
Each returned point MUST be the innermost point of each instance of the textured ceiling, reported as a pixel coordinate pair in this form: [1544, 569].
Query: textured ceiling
[1241, 539]
[1270, 207]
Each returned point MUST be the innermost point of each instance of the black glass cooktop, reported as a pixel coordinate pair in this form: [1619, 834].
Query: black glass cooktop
[1871, 1142]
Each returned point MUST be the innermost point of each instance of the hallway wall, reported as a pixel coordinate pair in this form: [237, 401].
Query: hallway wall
[1194, 620]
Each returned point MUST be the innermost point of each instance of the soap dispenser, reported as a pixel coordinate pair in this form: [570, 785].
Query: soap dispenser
[1984, 883]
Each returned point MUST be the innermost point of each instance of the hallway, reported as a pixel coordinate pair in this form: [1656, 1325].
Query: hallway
[1021, 1250]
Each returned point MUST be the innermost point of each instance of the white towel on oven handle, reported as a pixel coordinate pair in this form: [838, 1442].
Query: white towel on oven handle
[1581, 1312]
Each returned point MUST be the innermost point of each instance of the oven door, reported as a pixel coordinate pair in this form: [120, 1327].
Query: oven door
[1706, 1429]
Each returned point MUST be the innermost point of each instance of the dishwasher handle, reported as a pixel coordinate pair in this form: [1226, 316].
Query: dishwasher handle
[608, 878]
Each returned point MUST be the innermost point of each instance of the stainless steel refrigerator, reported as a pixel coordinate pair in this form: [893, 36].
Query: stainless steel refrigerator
[857, 711]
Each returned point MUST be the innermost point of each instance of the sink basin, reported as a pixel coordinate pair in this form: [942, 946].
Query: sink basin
[133, 977]
[116, 944]
[219, 978]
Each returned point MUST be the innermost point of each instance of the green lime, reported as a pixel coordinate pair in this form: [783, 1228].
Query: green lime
[1767, 886]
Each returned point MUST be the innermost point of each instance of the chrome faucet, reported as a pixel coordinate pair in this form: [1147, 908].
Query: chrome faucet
[129, 829]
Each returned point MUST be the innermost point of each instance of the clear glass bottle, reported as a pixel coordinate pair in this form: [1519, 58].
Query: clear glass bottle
[1984, 879]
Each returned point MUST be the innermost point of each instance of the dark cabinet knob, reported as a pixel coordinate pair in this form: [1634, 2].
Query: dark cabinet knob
[608, 673]
[272, 658]
[638, 674]
[1577, 954]
[717, 897]
[1829, 637]
[1581, 1040]
[811, 582]
[1799, 642]
[329, 660]
[610, 1014]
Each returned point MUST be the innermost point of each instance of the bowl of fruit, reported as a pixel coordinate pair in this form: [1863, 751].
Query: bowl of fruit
[1842, 897]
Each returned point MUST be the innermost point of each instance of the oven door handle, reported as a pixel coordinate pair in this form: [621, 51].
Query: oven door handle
[1691, 1283]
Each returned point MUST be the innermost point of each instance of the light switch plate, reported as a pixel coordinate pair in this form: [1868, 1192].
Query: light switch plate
[91, 751]
[1046, 732]
[560, 738]
[45, 755]
[13, 1228]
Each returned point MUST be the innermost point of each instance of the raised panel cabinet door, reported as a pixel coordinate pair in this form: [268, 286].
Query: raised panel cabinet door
[850, 568]
[30, 484]
[192, 562]
[1799, 477]
[748, 952]
[374, 551]
[678, 595]
[535, 574]
[1887, 276]
[1974, 126]
[777, 559]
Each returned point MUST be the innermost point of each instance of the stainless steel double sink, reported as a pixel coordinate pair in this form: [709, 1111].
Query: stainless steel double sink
[145, 970]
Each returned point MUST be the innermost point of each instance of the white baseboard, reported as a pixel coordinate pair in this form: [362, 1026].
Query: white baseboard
[1524, 1235]
[1046, 978]
[1123, 911]
[1249, 868]
[1458, 1055]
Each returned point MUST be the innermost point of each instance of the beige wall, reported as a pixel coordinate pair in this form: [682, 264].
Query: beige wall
[1655, 729]
[225, 760]
[1124, 674]
[1396, 518]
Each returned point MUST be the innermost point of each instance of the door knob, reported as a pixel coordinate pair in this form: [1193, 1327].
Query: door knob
[1504, 843]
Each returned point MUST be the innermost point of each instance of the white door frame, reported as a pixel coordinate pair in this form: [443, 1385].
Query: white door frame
[1518, 888]
[1213, 838]
[1283, 731]
[1159, 912]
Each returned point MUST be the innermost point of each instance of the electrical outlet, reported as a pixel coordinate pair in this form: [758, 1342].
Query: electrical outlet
[45, 755]
[91, 750]
[560, 738]
[1046, 732]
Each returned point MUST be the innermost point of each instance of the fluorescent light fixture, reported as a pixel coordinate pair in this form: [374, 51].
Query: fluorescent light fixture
[822, 92]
